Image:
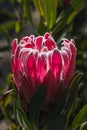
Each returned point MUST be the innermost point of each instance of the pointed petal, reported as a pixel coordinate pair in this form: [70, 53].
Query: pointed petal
[68, 51]
[32, 37]
[66, 62]
[23, 54]
[31, 68]
[14, 45]
[17, 52]
[26, 39]
[49, 41]
[39, 42]
[71, 68]
[46, 35]
[28, 42]
[13, 64]
[42, 66]
[30, 45]
[65, 40]
[18, 62]
[50, 44]
[55, 62]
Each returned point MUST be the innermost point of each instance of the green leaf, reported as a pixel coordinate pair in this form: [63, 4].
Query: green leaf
[8, 25]
[42, 28]
[14, 88]
[56, 109]
[50, 12]
[7, 100]
[20, 115]
[80, 118]
[47, 10]
[17, 27]
[57, 124]
[36, 104]
[68, 14]
[27, 10]
[83, 126]
[72, 92]
[40, 6]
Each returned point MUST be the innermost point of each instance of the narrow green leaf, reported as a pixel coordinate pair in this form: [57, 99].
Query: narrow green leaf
[15, 89]
[50, 12]
[41, 27]
[7, 101]
[83, 126]
[80, 118]
[40, 6]
[8, 25]
[65, 17]
[20, 115]
[72, 92]
[36, 104]
[17, 27]
[27, 9]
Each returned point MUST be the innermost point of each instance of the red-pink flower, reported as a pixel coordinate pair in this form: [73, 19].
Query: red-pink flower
[37, 61]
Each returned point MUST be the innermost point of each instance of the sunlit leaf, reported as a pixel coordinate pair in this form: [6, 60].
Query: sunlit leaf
[27, 9]
[20, 115]
[40, 6]
[68, 14]
[7, 100]
[50, 12]
[80, 118]
[83, 126]
[47, 9]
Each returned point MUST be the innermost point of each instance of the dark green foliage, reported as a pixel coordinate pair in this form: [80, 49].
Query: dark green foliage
[61, 21]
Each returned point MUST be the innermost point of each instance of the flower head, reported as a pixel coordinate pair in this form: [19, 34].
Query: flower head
[37, 61]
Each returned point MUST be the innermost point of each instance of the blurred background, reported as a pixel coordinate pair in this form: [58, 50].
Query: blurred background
[19, 18]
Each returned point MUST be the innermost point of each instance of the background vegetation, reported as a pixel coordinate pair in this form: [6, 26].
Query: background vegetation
[62, 18]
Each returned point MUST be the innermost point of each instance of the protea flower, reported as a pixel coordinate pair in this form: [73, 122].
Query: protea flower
[37, 61]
